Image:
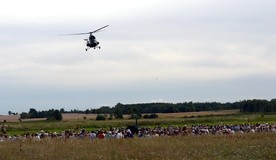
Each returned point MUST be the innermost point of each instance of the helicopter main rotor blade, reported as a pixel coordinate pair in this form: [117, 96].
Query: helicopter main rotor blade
[74, 34]
[85, 32]
[98, 29]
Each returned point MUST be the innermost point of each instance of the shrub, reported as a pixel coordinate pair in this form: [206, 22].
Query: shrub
[135, 116]
[57, 115]
[100, 117]
[146, 116]
[54, 115]
[151, 116]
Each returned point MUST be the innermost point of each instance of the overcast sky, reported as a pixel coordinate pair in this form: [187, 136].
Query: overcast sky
[153, 51]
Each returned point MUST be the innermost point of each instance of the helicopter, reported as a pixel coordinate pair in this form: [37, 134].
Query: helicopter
[91, 42]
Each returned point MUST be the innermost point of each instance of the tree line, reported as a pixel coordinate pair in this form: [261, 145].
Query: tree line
[255, 105]
[51, 114]
[258, 106]
[133, 110]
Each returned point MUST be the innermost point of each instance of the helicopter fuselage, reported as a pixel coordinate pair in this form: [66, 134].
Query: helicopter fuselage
[92, 42]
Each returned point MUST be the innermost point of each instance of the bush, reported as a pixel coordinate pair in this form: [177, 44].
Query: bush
[57, 115]
[146, 116]
[24, 115]
[118, 113]
[54, 115]
[100, 117]
[151, 116]
[135, 116]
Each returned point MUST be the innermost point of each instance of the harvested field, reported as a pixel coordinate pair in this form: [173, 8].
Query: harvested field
[66, 116]
[15, 118]
[203, 113]
[79, 116]
[9, 118]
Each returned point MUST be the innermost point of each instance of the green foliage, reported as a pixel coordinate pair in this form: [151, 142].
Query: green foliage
[121, 109]
[245, 106]
[146, 116]
[135, 116]
[263, 106]
[24, 115]
[171, 109]
[258, 106]
[118, 112]
[150, 116]
[12, 113]
[87, 111]
[33, 113]
[50, 114]
[57, 115]
[100, 117]
[62, 110]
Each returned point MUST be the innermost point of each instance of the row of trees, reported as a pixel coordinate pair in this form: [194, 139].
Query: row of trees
[120, 109]
[258, 106]
[135, 110]
[50, 114]
[244, 106]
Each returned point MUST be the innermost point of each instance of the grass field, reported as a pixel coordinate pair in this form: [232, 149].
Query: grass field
[238, 146]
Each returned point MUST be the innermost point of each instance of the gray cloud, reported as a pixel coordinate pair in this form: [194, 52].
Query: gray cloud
[182, 50]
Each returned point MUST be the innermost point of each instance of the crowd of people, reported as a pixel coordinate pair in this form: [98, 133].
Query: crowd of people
[136, 132]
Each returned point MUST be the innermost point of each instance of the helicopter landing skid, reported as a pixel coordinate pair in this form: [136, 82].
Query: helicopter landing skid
[86, 49]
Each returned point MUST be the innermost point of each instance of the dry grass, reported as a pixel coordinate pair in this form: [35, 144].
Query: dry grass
[78, 116]
[9, 118]
[246, 146]
[203, 113]
[15, 118]
[66, 117]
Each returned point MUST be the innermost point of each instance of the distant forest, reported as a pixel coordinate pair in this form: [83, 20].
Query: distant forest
[144, 108]
[244, 106]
